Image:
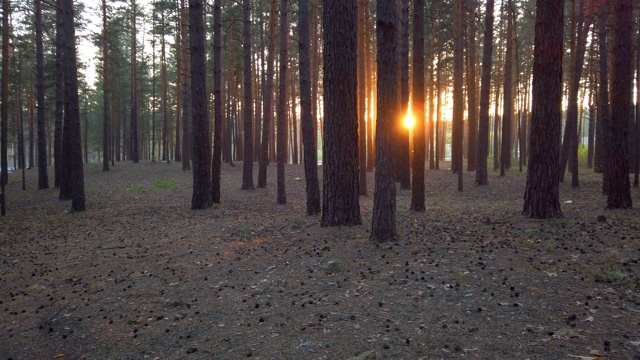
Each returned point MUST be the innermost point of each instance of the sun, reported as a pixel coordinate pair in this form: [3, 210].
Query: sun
[408, 120]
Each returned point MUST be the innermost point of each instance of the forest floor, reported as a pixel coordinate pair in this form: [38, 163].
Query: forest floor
[141, 276]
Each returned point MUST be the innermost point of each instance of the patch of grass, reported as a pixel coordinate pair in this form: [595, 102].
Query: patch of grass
[166, 184]
[612, 276]
[136, 189]
[332, 267]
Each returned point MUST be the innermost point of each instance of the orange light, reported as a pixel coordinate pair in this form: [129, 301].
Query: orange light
[409, 121]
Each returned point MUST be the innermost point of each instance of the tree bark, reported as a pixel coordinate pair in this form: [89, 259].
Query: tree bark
[267, 97]
[362, 100]
[619, 195]
[106, 126]
[340, 146]
[217, 102]
[383, 226]
[485, 94]
[310, 157]
[202, 194]
[135, 152]
[403, 156]
[417, 104]
[507, 112]
[281, 110]
[4, 121]
[184, 79]
[59, 93]
[73, 154]
[458, 95]
[541, 198]
[247, 106]
[471, 92]
[43, 178]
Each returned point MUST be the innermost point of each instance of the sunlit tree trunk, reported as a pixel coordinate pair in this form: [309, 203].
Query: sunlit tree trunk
[541, 198]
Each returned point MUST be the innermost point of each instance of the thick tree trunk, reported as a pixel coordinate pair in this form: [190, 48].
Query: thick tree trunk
[247, 106]
[43, 178]
[541, 198]
[73, 154]
[619, 195]
[485, 94]
[201, 198]
[383, 225]
[417, 104]
[340, 146]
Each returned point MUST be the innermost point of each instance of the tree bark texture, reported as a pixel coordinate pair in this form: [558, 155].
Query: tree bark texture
[485, 98]
[541, 198]
[340, 146]
[310, 157]
[247, 106]
[383, 225]
[417, 104]
[619, 195]
[201, 198]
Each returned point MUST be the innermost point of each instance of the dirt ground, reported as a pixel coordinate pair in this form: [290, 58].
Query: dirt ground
[141, 276]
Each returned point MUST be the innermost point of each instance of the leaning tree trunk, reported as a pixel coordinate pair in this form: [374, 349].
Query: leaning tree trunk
[542, 193]
[340, 140]
[43, 178]
[383, 225]
[619, 195]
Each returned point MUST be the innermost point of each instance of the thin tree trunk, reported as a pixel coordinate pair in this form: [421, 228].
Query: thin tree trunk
[43, 178]
[185, 80]
[59, 93]
[507, 112]
[267, 97]
[472, 93]
[247, 106]
[417, 102]
[106, 126]
[217, 101]
[135, 152]
[4, 121]
[362, 100]
[403, 156]
[458, 95]
[306, 117]
[282, 101]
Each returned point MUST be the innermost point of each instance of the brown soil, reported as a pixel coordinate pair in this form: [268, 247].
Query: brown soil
[141, 276]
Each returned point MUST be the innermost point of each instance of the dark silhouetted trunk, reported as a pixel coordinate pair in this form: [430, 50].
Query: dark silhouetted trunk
[362, 100]
[417, 104]
[73, 153]
[458, 94]
[340, 204]
[306, 117]
[43, 178]
[247, 106]
[106, 126]
[541, 197]
[507, 109]
[282, 102]
[267, 97]
[4, 116]
[383, 226]
[135, 152]
[59, 93]
[403, 156]
[485, 98]
[619, 194]
[471, 91]
[185, 83]
[217, 101]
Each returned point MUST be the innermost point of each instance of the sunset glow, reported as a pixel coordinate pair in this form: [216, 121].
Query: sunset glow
[408, 120]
